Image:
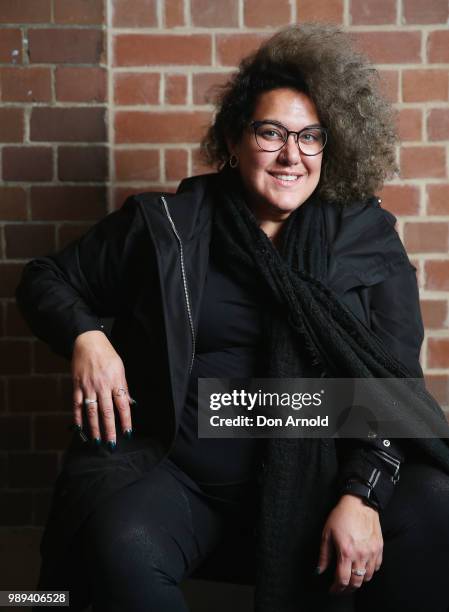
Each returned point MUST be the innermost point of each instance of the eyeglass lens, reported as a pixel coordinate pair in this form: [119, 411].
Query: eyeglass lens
[272, 137]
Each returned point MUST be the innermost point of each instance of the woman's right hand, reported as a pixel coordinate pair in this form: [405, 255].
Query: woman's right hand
[98, 373]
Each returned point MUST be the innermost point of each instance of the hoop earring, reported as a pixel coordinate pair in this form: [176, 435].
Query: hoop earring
[233, 161]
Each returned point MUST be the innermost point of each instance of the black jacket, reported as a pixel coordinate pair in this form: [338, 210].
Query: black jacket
[145, 265]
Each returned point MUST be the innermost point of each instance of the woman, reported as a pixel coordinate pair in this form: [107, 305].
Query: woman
[283, 264]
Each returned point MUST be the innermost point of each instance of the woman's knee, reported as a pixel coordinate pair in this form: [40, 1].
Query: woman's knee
[126, 551]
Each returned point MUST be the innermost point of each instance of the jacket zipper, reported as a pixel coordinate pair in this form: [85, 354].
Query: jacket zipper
[184, 279]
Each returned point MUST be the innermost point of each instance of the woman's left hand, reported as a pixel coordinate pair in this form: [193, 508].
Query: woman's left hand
[353, 530]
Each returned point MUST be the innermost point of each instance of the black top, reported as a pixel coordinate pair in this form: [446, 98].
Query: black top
[229, 333]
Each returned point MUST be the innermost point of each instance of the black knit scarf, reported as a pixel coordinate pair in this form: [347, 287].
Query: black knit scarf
[308, 332]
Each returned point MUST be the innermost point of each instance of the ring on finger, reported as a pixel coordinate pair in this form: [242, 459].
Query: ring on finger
[120, 391]
[358, 572]
[88, 401]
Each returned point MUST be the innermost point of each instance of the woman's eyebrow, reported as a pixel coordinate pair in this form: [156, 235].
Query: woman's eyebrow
[276, 122]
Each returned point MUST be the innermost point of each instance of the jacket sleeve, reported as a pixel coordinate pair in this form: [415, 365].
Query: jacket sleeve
[65, 294]
[396, 319]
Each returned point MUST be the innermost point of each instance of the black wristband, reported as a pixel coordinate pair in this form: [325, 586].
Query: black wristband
[362, 490]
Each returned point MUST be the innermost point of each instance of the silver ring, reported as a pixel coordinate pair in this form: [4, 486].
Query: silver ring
[359, 572]
[118, 394]
[90, 401]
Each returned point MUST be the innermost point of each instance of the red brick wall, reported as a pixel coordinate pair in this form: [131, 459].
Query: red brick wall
[100, 101]
[53, 185]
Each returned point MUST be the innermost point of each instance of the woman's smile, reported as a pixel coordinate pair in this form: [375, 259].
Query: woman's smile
[284, 179]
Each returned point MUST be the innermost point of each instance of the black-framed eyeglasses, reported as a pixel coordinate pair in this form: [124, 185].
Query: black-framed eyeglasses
[272, 136]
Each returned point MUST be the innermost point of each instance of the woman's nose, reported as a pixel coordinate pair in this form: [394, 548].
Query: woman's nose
[290, 152]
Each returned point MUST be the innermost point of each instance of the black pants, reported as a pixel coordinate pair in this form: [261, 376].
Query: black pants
[138, 548]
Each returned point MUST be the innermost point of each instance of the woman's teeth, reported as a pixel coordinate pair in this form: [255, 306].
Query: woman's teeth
[285, 177]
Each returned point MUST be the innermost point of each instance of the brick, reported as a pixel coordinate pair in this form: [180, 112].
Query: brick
[11, 124]
[3, 334]
[47, 362]
[176, 89]
[135, 164]
[431, 11]
[426, 237]
[203, 84]
[409, 123]
[68, 124]
[3, 472]
[51, 432]
[32, 470]
[438, 46]
[74, 46]
[11, 46]
[13, 204]
[14, 323]
[438, 386]
[82, 12]
[390, 47]
[400, 199]
[214, 13]
[66, 393]
[438, 352]
[68, 79]
[137, 88]
[68, 232]
[25, 11]
[232, 47]
[437, 275]
[60, 203]
[29, 240]
[438, 124]
[434, 313]
[15, 508]
[82, 163]
[320, 10]
[34, 394]
[157, 49]
[135, 126]
[15, 432]
[176, 161]
[389, 84]
[423, 162]
[15, 357]
[3, 408]
[41, 506]
[174, 13]
[372, 12]
[438, 199]
[27, 163]
[425, 85]
[25, 84]
[9, 278]
[134, 13]
[265, 13]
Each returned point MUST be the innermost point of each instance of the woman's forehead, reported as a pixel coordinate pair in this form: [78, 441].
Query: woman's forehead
[287, 106]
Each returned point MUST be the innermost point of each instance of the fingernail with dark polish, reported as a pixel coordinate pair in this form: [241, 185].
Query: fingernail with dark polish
[96, 442]
[111, 445]
[128, 433]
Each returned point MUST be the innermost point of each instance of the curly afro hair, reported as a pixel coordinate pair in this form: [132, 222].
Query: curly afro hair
[319, 60]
